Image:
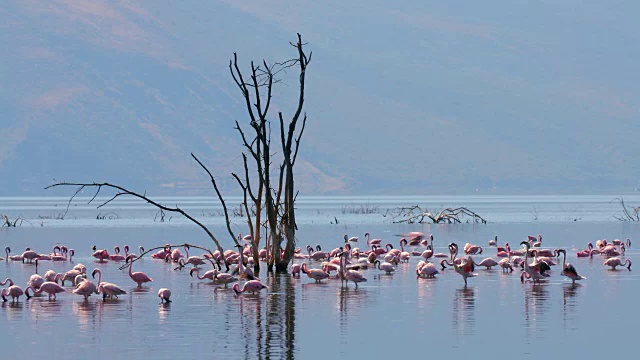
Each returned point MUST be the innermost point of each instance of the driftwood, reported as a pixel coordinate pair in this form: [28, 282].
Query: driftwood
[415, 214]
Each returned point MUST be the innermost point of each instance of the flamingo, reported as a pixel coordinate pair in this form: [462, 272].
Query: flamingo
[101, 255]
[613, 262]
[505, 264]
[29, 255]
[404, 255]
[619, 242]
[534, 271]
[7, 280]
[161, 254]
[193, 260]
[295, 270]
[352, 239]
[7, 250]
[138, 276]
[426, 269]
[35, 281]
[372, 241]
[14, 291]
[415, 237]
[164, 294]
[51, 275]
[49, 287]
[224, 278]
[494, 241]
[84, 287]
[72, 275]
[207, 275]
[567, 269]
[107, 289]
[57, 257]
[315, 274]
[487, 262]
[350, 274]
[470, 249]
[587, 252]
[251, 286]
[465, 269]
[385, 266]
[126, 251]
[117, 256]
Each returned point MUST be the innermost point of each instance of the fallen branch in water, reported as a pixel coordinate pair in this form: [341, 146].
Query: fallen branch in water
[415, 214]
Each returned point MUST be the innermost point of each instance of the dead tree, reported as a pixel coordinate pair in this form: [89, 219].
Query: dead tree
[279, 192]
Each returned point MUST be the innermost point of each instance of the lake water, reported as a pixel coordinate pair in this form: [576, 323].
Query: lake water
[388, 316]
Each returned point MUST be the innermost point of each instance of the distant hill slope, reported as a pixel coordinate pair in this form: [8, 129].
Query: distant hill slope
[414, 99]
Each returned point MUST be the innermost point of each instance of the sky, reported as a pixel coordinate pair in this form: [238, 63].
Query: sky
[419, 97]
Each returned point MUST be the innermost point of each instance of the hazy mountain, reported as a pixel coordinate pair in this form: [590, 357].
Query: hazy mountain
[402, 98]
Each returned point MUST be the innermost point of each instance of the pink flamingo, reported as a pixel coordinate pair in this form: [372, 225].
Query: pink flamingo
[494, 241]
[371, 241]
[347, 274]
[29, 255]
[126, 251]
[101, 255]
[7, 250]
[222, 278]
[57, 257]
[487, 262]
[295, 270]
[14, 291]
[207, 275]
[613, 262]
[315, 274]
[137, 277]
[35, 281]
[51, 275]
[472, 249]
[84, 287]
[567, 269]
[426, 269]
[585, 253]
[619, 242]
[107, 289]
[252, 286]
[193, 260]
[536, 270]
[385, 266]
[117, 256]
[164, 294]
[7, 280]
[415, 238]
[465, 269]
[162, 254]
[352, 239]
[51, 288]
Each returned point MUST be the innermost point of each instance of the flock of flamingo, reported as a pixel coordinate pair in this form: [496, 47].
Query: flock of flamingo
[349, 263]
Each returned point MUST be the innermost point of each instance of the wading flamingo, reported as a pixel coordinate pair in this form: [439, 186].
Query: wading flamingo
[567, 269]
[49, 287]
[347, 275]
[252, 286]
[107, 289]
[138, 277]
[84, 287]
[426, 269]
[315, 274]
[164, 294]
[385, 266]
[536, 270]
[613, 262]
[117, 256]
[14, 291]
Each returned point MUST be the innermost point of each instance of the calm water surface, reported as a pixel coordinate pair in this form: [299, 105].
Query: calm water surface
[390, 315]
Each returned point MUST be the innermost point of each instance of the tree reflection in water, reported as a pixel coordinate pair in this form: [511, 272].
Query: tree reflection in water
[269, 328]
